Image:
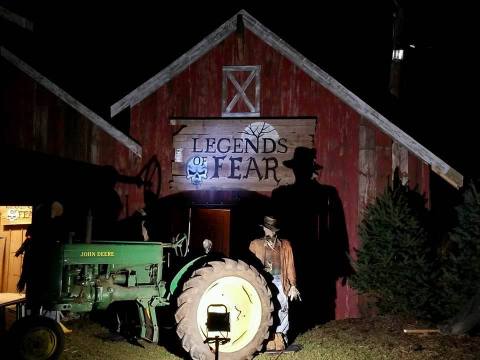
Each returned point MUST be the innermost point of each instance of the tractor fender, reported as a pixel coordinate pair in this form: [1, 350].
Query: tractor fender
[178, 277]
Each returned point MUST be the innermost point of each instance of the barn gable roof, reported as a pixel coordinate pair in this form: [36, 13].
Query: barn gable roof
[82, 109]
[137, 95]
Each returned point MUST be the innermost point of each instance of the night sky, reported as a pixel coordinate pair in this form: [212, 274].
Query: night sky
[99, 53]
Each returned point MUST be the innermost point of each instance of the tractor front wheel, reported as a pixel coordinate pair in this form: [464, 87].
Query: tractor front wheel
[226, 286]
[36, 338]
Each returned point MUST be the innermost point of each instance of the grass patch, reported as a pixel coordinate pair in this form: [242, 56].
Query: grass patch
[379, 338]
[352, 339]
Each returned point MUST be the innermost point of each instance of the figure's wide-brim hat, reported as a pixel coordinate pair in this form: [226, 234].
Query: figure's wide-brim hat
[303, 157]
[270, 223]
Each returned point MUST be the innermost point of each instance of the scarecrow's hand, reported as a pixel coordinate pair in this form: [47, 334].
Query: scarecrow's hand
[294, 294]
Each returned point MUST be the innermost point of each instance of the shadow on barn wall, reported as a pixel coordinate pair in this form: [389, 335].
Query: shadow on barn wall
[313, 220]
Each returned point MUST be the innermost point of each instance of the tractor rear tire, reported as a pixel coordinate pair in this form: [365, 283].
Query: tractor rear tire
[246, 297]
[36, 338]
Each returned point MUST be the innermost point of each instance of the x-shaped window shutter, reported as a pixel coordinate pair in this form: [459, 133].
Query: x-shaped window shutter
[241, 91]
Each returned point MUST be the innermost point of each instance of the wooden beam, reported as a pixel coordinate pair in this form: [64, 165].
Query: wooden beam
[16, 19]
[400, 161]
[367, 166]
[450, 175]
[82, 109]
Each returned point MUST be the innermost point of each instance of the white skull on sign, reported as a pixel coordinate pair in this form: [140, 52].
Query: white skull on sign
[197, 170]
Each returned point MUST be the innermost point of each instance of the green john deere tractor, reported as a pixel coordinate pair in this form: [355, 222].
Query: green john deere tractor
[81, 278]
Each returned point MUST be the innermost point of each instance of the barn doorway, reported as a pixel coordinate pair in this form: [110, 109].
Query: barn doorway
[213, 224]
[14, 221]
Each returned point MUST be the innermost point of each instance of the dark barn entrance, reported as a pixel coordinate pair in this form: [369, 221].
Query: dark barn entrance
[228, 218]
[213, 224]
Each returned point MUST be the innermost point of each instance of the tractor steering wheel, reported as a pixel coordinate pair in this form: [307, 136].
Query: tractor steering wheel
[178, 241]
[150, 178]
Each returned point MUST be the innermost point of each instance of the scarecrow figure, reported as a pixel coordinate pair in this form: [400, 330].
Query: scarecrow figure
[276, 256]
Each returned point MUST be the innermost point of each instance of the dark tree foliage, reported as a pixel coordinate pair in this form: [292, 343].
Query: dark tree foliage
[460, 259]
[394, 263]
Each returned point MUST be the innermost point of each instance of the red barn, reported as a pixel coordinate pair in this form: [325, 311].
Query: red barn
[219, 122]
[223, 117]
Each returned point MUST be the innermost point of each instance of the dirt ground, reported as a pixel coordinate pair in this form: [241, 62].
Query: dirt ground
[372, 338]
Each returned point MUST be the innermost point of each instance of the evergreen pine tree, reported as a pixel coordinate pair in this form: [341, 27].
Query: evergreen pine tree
[460, 265]
[393, 263]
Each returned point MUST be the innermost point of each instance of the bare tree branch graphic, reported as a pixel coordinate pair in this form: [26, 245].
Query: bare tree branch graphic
[257, 130]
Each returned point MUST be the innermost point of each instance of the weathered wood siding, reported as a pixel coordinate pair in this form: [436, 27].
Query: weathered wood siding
[32, 118]
[378, 158]
[356, 157]
[286, 91]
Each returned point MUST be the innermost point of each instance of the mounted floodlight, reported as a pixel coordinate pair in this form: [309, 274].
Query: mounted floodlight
[218, 320]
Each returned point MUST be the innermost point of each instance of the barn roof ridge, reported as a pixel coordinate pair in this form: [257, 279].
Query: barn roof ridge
[361, 107]
[71, 101]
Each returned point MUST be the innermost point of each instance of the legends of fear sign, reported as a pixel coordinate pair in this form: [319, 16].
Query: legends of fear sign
[236, 153]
